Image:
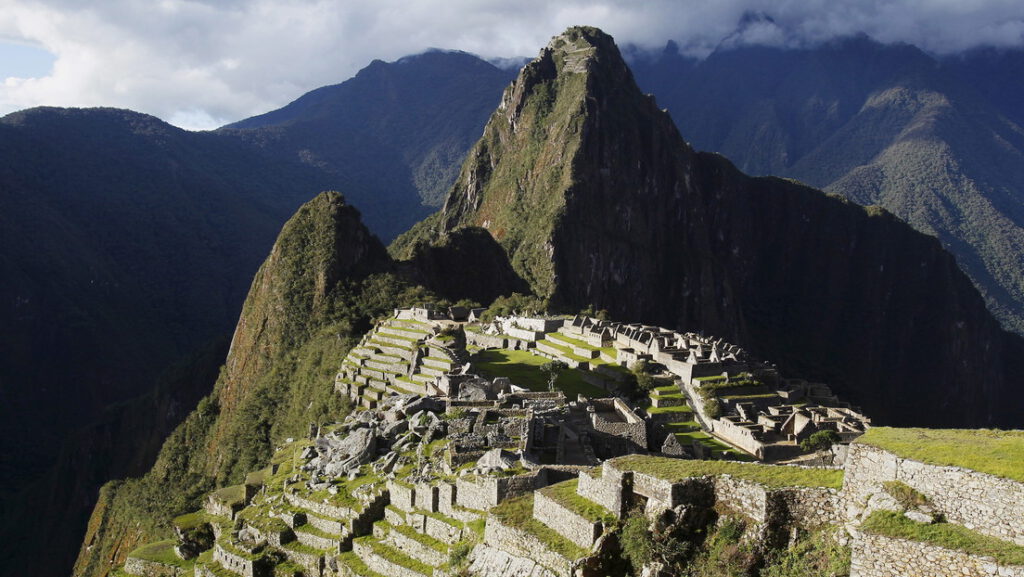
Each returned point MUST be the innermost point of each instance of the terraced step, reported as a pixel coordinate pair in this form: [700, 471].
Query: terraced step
[309, 558]
[409, 385]
[383, 558]
[206, 567]
[431, 371]
[574, 346]
[572, 515]
[317, 539]
[386, 365]
[402, 350]
[411, 324]
[408, 333]
[423, 378]
[437, 362]
[419, 546]
[668, 400]
[403, 388]
[437, 525]
[356, 565]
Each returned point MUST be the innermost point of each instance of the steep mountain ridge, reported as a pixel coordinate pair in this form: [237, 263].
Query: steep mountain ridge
[105, 214]
[325, 279]
[598, 201]
[395, 134]
[935, 141]
[582, 183]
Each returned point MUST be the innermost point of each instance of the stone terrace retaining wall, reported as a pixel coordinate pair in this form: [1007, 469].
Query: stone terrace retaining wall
[979, 501]
[565, 521]
[144, 568]
[810, 508]
[524, 545]
[237, 563]
[879, 556]
[605, 490]
[746, 497]
[485, 492]
[322, 509]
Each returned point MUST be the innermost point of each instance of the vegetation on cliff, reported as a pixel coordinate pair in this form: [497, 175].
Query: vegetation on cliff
[326, 280]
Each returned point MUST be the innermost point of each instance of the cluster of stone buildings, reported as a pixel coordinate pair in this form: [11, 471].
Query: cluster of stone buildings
[438, 459]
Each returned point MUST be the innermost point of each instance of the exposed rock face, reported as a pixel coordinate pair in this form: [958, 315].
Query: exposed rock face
[598, 201]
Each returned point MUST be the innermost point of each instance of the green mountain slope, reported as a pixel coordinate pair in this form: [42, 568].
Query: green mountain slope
[326, 278]
[125, 245]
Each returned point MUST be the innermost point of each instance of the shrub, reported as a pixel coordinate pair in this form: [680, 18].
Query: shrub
[642, 373]
[713, 408]
[907, 496]
[820, 441]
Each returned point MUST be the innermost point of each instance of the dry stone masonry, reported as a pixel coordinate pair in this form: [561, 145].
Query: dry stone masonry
[441, 471]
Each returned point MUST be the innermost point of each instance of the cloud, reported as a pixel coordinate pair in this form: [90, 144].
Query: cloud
[202, 63]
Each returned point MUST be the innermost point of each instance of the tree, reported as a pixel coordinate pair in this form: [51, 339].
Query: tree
[820, 441]
[642, 373]
[553, 369]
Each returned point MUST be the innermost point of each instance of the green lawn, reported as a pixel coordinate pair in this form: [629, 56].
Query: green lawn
[999, 453]
[160, 552]
[711, 443]
[523, 368]
[945, 535]
[770, 475]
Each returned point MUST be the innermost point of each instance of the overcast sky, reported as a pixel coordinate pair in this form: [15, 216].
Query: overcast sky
[203, 63]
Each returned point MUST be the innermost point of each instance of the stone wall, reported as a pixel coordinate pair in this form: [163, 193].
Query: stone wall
[482, 493]
[603, 490]
[746, 497]
[313, 563]
[565, 521]
[522, 544]
[144, 568]
[402, 496]
[379, 564]
[738, 435]
[238, 564]
[322, 509]
[809, 508]
[879, 556]
[978, 501]
[485, 341]
[490, 562]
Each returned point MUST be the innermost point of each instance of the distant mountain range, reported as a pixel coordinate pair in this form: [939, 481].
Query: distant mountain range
[128, 245]
[938, 142]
